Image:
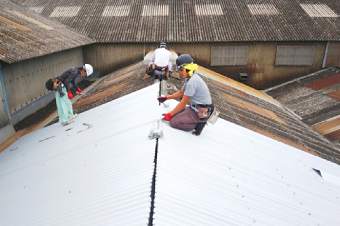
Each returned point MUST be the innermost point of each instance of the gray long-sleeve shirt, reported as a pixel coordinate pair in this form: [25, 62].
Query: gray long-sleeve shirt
[69, 77]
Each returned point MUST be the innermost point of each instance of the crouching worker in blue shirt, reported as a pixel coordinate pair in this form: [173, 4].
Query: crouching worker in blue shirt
[194, 92]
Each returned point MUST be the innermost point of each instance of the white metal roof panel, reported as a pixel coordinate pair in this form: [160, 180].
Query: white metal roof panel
[98, 171]
[95, 171]
[233, 176]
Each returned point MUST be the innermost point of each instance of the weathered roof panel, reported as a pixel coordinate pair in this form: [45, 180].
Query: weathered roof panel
[200, 21]
[313, 98]
[25, 34]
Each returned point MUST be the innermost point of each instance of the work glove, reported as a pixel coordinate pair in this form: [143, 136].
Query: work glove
[167, 117]
[162, 99]
[79, 91]
[70, 95]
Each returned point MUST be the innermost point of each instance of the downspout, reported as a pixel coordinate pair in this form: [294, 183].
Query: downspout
[325, 56]
[4, 92]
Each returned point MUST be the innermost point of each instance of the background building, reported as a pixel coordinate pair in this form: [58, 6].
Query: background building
[262, 43]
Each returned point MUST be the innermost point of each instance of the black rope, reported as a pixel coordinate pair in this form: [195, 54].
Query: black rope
[153, 186]
[160, 89]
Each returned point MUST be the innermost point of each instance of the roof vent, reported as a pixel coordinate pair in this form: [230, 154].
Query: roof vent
[243, 77]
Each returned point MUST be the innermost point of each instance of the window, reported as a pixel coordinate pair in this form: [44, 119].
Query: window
[294, 55]
[229, 55]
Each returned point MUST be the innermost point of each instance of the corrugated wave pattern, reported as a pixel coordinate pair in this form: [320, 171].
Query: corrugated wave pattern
[199, 20]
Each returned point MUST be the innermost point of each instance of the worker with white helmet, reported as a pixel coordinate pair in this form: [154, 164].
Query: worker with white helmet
[194, 92]
[69, 77]
[160, 61]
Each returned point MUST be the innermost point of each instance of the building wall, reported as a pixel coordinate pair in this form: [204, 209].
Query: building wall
[25, 81]
[106, 58]
[333, 55]
[261, 70]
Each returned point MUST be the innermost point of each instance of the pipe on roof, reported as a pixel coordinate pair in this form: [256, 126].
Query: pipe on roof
[4, 93]
[325, 56]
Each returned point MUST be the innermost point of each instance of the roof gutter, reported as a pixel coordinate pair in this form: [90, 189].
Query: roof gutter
[4, 92]
[325, 56]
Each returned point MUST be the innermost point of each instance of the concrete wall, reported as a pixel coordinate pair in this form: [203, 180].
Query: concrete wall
[261, 67]
[25, 81]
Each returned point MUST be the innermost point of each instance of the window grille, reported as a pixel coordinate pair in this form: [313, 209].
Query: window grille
[229, 55]
[294, 55]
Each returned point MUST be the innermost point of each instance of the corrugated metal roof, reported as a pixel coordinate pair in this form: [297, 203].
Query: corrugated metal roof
[240, 178]
[201, 21]
[25, 34]
[96, 171]
[99, 169]
[313, 98]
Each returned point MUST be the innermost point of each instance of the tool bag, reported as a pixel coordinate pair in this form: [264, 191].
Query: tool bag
[203, 110]
[208, 112]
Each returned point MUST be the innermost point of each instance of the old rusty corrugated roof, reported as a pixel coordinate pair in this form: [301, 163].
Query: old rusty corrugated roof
[196, 21]
[314, 98]
[25, 34]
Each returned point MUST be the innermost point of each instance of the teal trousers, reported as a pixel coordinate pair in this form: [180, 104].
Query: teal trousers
[64, 106]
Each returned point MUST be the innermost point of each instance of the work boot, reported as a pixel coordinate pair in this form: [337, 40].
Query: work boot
[198, 129]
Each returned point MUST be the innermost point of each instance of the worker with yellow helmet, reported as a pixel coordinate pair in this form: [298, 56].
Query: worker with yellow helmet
[194, 92]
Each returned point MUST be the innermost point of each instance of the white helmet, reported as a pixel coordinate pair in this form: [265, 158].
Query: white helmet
[88, 68]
